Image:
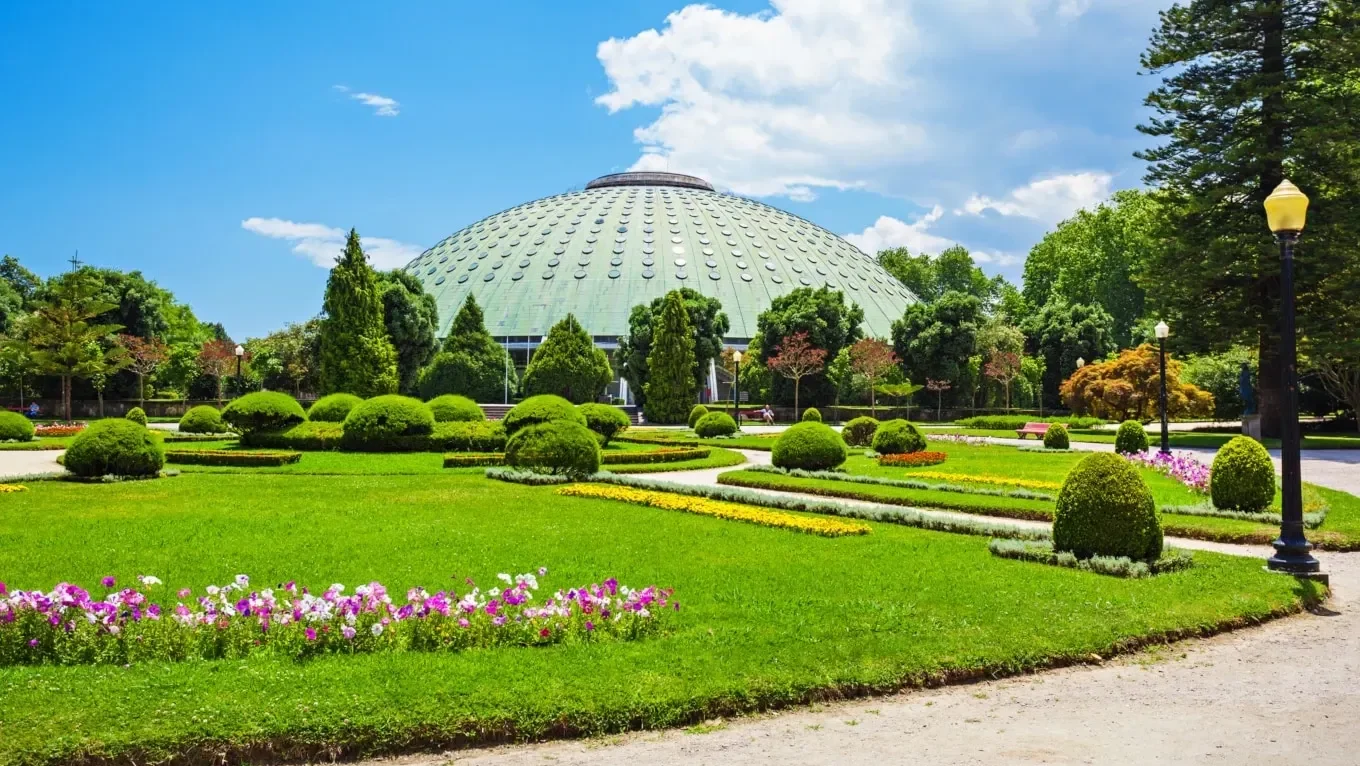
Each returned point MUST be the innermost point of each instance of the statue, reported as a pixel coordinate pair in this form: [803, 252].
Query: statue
[1245, 390]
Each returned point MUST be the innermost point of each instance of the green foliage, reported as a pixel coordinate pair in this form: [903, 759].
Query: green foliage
[356, 354]
[15, 427]
[670, 387]
[470, 363]
[1130, 437]
[136, 415]
[715, 424]
[1056, 437]
[544, 408]
[411, 317]
[568, 364]
[203, 419]
[898, 437]
[860, 431]
[263, 411]
[333, 408]
[930, 277]
[709, 325]
[1105, 509]
[114, 447]
[239, 458]
[384, 417]
[287, 359]
[560, 448]
[1011, 422]
[810, 446]
[1219, 375]
[66, 337]
[605, 420]
[831, 324]
[934, 341]
[484, 436]
[1061, 334]
[812, 415]
[696, 412]
[451, 408]
[1242, 477]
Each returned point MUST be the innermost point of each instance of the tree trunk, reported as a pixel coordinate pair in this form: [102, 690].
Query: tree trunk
[100, 394]
[796, 381]
[141, 391]
[66, 395]
[1270, 387]
[1271, 394]
[873, 404]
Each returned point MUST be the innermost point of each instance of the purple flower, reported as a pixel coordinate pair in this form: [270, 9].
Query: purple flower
[311, 634]
[185, 592]
[347, 632]
[33, 642]
[108, 581]
[590, 625]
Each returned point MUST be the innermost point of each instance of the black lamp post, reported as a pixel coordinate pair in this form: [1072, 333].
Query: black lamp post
[1162, 332]
[736, 387]
[1287, 211]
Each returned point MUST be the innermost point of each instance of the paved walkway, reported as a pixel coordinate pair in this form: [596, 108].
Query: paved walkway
[29, 462]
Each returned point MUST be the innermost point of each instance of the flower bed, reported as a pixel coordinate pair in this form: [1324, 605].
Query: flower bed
[718, 509]
[12, 488]
[1003, 481]
[67, 626]
[1041, 552]
[237, 458]
[59, 429]
[912, 459]
[1182, 467]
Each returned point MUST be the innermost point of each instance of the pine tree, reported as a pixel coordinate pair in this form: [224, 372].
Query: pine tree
[670, 387]
[470, 363]
[568, 364]
[64, 338]
[411, 317]
[356, 355]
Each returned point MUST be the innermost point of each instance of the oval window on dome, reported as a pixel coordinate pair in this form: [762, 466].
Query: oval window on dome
[462, 278]
[517, 276]
[679, 261]
[580, 274]
[430, 270]
[681, 274]
[715, 276]
[559, 250]
[614, 274]
[524, 263]
[497, 264]
[489, 276]
[443, 259]
[745, 277]
[554, 262]
[472, 266]
[741, 264]
[777, 279]
[615, 261]
[648, 262]
[712, 264]
[439, 281]
[648, 273]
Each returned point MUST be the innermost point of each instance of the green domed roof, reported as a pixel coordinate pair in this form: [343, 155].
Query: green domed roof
[629, 238]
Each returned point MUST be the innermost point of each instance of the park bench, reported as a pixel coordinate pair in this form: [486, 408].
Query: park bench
[1038, 429]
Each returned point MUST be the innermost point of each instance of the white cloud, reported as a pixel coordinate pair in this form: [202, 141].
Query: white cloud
[382, 105]
[321, 243]
[888, 232]
[1048, 200]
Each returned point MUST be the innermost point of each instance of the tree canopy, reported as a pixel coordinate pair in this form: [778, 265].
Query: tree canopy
[706, 319]
[934, 341]
[470, 363]
[356, 355]
[831, 325]
[411, 317]
[568, 364]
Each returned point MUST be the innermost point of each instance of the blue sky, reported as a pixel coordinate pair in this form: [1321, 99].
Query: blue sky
[222, 149]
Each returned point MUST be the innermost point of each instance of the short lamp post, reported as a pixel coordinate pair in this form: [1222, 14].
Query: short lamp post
[1286, 212]
[736, 386]
[240, 354]
[1162, 332]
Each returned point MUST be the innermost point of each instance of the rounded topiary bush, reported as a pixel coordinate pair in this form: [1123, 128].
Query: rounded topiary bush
[383, 417]
[263, 411]
[1056, 437]
[697, 412]
[117, 447]
[451, 408]
[15, 427]
[136, 415]
[810, 446]
[543, 408]
[1130, 437]
[557, 447]
[812, 415]
[1242, 477]
[1105, 509]
[715, 424]
[860, 431]
[606, 420]
[898, 437]
[203, 419]
[333, 408]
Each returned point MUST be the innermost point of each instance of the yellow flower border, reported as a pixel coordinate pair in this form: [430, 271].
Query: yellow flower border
[12, 488]
[718, 509]
[1004, 481]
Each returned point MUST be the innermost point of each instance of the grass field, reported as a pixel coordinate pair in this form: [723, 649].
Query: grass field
[1178, 439]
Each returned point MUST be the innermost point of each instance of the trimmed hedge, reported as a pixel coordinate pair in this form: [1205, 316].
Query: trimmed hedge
[812, 415]
[715, 424]
[860, 431]
[1242, 477]
[543, 408]
[15, 427]
[114, 447]
[561, 448]
[136, 415]
[231, 457]
[810, 446]
[657, 456]
[1106, 509]
[898, 437]
[333, 408]
[384, 418]
[263, 411]
[485, 436]
[1056, 437]
[474, 460]
[203, 419]
[451, 408]
[1130, 437]
[606, 420]
[696, 414]
[1013, 422]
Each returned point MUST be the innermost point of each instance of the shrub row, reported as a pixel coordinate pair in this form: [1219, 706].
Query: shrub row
[474, 460]
[485, 436]
[908, 483]
[231, 458]
[912, 459]
[1041, 551]
[1012, 422]
[657, 456]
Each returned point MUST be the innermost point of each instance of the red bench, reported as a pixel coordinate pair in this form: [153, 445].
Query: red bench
[1037, 429]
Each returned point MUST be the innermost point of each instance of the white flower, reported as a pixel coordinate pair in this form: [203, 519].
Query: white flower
[377, 629]
[242, 581]
[148, 580]
[213, 590]
[494, 592]
[504, 577]
[338, 588]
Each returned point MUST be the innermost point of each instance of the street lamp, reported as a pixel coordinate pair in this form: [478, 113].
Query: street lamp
[1162, 332]
[240, 352]
[736, 387]
[1286, 212]
[1080, 363]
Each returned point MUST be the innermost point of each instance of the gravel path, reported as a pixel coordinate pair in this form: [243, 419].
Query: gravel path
[28, 462]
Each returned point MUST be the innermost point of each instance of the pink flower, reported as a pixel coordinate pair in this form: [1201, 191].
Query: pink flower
[347, 632]
[311, 634]
[185, 592]
[107, 581]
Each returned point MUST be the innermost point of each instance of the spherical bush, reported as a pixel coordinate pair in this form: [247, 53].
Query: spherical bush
[202, 419]
[605, 420]
[451, 408]
[1131, 437]
[333, 408]
[697, 412]
[384, 417]
[117, 447]
[898, 437]
[15, 427]
[1105, 509]
[263, 411]
[543, 408]
[715, 424]
[810, 446]
[811, 415]
[1242, 477]
[1056, 437]
[556, 447]
[860, 432]
[136, 415]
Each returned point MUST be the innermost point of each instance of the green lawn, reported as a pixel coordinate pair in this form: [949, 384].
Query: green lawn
[769, 617]
[1178, 439]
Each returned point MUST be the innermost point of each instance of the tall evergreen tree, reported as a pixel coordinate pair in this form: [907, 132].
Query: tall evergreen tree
[670, 386]
[568, 364]
[470, 363]
[67, 340]
[356, 356]
[707, 319]
[412, 319]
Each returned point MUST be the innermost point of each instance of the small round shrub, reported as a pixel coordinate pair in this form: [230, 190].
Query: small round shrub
[1056, 437]
[605, 420]
[809, 446]
[543, 408]
[1131, 437]
[715, 424]
[383, 417]
[333, 408]
[203, 419]
[556, 447]
[117, 447]
[15, 427]
[812, 415]
[263, 411]
[451, 408]
[860, 431]
[697, 412]
[136, 415]
[1105, 509]
[898, 437]
[1242, 477]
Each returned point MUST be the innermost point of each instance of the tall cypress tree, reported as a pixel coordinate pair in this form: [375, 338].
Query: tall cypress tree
[471, 362]
[356, 355]
[568, 364]
[670, 384]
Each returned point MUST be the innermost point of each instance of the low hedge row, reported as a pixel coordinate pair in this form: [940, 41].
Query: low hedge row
[1041, 552]
[1011, 422]
[659, 456]
[474, 460]
[231, 457]
[485, 436]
